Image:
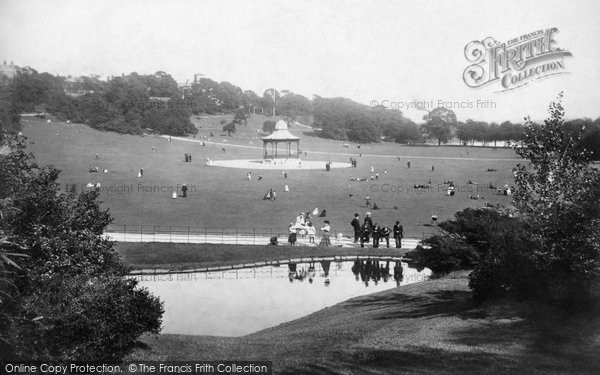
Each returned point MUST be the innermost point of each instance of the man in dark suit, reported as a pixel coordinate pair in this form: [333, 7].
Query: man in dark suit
[398, 234]
[376, 230]
[356, 225]
[385, 234]
[365, 233]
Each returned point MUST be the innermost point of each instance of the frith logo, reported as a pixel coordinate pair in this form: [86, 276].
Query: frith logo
[515, 63]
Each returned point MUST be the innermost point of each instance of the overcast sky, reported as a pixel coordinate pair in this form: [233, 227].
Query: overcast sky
[397, 51]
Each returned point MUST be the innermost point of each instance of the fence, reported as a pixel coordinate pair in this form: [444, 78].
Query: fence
[232, 236]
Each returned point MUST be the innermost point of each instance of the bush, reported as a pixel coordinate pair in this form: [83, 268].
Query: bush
[481, 227]
[85, 318]
[444, 253]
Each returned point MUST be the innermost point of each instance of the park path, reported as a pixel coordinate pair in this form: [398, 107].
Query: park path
[185, 139]
[407, 243]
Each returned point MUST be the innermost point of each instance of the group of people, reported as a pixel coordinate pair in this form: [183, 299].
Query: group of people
[303, 227]
[368, 230]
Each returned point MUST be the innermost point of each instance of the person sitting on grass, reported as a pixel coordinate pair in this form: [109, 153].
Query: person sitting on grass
[270, 195]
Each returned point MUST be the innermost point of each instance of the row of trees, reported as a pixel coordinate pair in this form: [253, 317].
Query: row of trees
[129, 104]
[344, 119]
[125, 104]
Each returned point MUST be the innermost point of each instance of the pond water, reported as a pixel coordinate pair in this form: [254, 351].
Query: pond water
[243, 301]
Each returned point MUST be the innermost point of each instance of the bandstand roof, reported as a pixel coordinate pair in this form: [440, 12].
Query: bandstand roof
[281, 133]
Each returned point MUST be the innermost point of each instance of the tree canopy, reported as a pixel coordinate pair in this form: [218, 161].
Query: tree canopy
[66, 296]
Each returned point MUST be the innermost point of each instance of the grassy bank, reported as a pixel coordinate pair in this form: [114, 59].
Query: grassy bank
[430, 327]
[179, 256]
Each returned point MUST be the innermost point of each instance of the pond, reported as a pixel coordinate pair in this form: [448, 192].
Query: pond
[242, 301]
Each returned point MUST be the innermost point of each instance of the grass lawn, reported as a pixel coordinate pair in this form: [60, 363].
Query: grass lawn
[430, 327]
[221, 197]
[182, 256]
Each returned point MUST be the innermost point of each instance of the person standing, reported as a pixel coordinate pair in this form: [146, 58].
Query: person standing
[408, 164]
[369, 222]
[310, 230]
[356, 225]
[293, 235]
[385, 234]
[184, 190]
[364, 234]
[376, 232]
[398, 234]
[325, 241]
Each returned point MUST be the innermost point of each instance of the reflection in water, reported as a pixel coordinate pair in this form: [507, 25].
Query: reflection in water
[239, 302]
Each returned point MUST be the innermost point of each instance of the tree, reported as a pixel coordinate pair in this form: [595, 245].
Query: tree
[558, 203]
[439, 123]
[229, 128]
[268, 126]
[73, 299]
[241, 116]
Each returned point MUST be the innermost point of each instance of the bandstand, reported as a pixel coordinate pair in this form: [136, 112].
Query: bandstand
[281, 144]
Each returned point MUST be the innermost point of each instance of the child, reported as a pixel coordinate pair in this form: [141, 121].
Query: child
[292, 237]
[310, 230]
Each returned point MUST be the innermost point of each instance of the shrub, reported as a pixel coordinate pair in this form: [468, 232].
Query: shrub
[444, 253]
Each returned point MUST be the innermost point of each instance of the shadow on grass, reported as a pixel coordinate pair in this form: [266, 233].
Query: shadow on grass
[433, 304]
[418, 359]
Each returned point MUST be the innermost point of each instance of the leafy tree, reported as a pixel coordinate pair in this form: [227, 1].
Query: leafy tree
[73, 299]
[439, 123]
[553, 255]
[229, 128]
[558, 194]
[268, 126]
[241, 116]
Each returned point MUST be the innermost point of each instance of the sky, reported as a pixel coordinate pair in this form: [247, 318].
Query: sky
[381, 52]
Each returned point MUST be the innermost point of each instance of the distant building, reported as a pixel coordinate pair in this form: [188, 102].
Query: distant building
[75, 86]
[7, 72]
